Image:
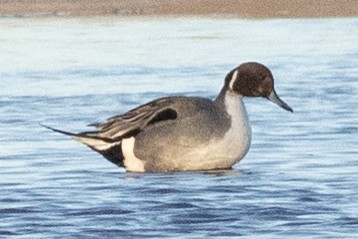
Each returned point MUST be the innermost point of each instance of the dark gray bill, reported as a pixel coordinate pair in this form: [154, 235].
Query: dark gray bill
[275, 99]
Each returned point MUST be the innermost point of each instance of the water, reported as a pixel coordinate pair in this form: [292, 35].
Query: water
[299, 179]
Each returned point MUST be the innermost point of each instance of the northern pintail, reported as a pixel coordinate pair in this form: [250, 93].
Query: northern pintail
[184, 133]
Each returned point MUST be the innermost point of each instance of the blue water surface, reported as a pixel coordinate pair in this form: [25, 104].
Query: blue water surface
[299, 179]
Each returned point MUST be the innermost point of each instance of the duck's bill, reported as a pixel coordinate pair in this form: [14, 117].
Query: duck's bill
[275, 99]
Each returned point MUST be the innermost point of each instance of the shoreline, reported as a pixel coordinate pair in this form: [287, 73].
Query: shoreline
[226, 8]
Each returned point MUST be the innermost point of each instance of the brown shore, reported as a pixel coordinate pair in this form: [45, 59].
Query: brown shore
[230, 8]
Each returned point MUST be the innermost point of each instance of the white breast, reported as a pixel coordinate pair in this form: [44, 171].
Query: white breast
[238, 139]
[225, 152]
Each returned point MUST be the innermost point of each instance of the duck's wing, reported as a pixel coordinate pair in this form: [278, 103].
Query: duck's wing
[132, 122]
[107, 138]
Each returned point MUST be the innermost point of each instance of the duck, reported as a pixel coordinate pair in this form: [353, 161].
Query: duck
[179, 133]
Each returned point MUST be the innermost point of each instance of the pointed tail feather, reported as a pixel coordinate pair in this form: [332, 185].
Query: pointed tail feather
[58, 131]
[88, 138]
[109, 148]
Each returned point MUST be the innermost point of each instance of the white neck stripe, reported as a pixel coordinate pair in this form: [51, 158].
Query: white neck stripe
[233, 78]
